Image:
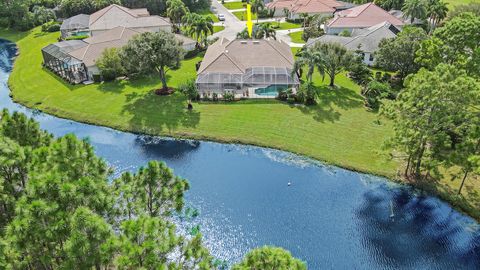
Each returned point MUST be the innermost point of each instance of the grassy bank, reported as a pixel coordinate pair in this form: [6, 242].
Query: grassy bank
[338, 130]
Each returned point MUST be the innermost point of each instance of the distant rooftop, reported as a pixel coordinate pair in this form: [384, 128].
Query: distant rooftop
[367, 40]
[363, 16]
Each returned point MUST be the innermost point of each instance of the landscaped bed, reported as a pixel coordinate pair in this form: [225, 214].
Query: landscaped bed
[339, 130]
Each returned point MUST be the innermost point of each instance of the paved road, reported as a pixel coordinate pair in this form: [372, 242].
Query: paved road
[233, 25]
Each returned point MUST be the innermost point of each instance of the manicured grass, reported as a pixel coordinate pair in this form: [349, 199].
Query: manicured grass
[297, 37]
[208, 13]
[287, 25]
[218, 28]
[242, 15]
[234, 5]
[338, 130]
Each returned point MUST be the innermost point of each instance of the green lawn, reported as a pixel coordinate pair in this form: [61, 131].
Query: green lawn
[208, 13]
[338, 130]
[242, 15]
[297, 37]
[287, 25]
[235, 5]
[218, 28]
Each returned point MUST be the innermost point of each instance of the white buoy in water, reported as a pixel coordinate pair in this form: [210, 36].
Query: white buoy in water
[289, 184]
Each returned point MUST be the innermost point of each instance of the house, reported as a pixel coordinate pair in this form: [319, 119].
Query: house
[364, 40]
[111, 17]
[246, 68]
[293, 9]
[363, 16]
[75, 60]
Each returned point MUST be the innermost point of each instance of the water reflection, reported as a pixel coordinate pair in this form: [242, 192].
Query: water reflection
[330, 217]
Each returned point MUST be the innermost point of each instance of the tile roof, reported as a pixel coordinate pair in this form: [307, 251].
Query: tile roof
[238, 55]
[115, 15]
[114, 38]
[367, 40]
[363, 16]
[306, 6]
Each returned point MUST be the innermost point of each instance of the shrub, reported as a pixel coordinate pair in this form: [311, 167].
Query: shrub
[189, 89]
[228, 96]
[51, 26]
[345, 33]
[359, 72]
[215, 97]
[110, 64]
[306, 93]
[373, 92]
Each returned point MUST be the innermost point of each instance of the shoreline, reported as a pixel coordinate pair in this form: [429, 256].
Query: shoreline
[455, 201]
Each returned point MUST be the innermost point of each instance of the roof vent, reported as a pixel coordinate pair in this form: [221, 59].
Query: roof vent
[226, 51]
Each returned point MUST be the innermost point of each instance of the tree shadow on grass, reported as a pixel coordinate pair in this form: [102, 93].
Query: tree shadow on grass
[153, 114]
[329, 100]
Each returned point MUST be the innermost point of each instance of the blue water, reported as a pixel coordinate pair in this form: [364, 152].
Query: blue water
[329, 217]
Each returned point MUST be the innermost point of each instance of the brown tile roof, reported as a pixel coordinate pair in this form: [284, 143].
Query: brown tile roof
[363, 16]
[115, 15]
[114, 38]
[237, 55]
[306, 6]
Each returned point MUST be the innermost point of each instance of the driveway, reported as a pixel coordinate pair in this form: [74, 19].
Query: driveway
[232, 24]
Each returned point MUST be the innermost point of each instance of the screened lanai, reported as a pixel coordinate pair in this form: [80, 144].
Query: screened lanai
[254, 77]
[57, 59]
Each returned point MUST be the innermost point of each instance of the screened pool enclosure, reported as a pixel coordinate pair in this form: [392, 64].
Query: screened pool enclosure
[57, 59]
[244, 84]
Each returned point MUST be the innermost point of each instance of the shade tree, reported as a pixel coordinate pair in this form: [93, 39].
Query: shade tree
[398, 54]
[153, 53]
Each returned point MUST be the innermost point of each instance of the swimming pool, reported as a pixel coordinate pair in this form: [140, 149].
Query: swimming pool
[271, 90]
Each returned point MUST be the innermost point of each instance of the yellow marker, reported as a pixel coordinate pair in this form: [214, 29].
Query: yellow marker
[249, 20]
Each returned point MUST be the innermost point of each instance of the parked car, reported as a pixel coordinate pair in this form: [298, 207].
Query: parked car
[221, 17]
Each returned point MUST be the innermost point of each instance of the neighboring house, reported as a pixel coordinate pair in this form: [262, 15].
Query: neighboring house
[75, 60]
[363, 16]
[75, 26]
[364, 40]
[246, 68]
[293, 9]
[111, 17]
[56, 57]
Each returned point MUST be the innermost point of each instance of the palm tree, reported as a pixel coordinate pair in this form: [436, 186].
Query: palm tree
[198, 27]
[257, 5]
[437, 11]
[265, 30]
[306, 19]
[311, 59]
[335, 58]
[415, 9]
[176, 10]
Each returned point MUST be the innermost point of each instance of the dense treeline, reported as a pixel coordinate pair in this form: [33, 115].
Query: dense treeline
[59, 210]
[26, 14]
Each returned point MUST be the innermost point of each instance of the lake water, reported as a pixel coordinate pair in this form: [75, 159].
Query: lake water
[329, 217]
